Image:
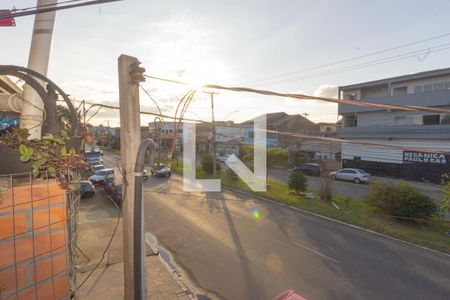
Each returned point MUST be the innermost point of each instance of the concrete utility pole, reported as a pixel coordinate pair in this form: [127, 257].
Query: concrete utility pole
[31, 116]
[130, 138]
[212, 93]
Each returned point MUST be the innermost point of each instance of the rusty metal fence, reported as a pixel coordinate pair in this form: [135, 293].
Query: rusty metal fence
[38, 232]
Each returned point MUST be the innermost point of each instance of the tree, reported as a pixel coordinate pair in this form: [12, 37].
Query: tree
[207, 163]
[297, 182]
[276, 157]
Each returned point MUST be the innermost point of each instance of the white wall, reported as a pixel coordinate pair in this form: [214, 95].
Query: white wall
[412, 83]
[391, 155]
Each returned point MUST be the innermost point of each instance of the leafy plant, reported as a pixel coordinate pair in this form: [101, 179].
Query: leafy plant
[445, 188]
[297, 182]
[400, 200]
[207, 164]
[49, 153]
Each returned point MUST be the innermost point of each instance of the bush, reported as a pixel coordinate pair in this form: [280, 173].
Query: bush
[207, 164]
[297, 182]
[230, 175]
[400, 200]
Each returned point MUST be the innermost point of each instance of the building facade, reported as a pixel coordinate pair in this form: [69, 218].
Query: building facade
[415, 141]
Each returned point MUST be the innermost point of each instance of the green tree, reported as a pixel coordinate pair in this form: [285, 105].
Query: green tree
[207, 164]
[276, 157]
[297, 182]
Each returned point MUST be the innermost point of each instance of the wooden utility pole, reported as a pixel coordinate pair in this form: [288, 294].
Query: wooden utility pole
[212, 93]
[130, 138]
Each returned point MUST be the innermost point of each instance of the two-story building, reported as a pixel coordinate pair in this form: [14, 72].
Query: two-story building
[278, 125]
[418, 138]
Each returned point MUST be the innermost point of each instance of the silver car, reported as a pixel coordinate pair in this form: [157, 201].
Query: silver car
[355, 175]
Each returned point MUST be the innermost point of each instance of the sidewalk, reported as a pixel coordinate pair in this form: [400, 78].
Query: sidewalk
[97, 221]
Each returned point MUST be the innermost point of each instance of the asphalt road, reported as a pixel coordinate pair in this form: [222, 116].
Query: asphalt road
[350, 189]
[227, 250]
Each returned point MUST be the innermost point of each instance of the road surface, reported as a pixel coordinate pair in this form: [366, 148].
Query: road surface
[232, 251]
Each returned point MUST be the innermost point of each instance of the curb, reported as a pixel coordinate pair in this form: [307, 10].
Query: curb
[336, 221]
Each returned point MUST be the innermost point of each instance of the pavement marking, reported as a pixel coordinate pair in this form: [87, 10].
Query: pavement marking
[316, 252]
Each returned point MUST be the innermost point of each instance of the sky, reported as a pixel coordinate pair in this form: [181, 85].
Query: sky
[233, 43]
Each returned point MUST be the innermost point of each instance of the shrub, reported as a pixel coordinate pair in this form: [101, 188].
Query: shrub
[400, 200]
[207, 164]
[297, 182]
[230, 175]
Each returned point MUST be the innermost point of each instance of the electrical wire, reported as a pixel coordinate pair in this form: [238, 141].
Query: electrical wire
[45, 5]
[50, 9]
[305, 136]
[119, 216]
[348, 59]
[308, 97]
[151, 98]
[362, 65]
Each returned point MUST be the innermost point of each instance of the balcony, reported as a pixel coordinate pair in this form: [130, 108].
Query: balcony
[436, 98]
[435, 132]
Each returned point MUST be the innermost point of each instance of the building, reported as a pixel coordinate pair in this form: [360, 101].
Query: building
[420, 137]
[327, 129]
[278, 123]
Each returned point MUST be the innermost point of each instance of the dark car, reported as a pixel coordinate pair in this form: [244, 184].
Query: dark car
[309, 169]
[86, 189]
[116, 194]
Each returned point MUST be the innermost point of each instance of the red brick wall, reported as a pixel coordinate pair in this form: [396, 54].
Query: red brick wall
[33, 242]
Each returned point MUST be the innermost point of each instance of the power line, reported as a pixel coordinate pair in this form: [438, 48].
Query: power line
[45, 5]
[349, 59]
[52, 8]
[362, 65]
[299, 135]
[308, 97]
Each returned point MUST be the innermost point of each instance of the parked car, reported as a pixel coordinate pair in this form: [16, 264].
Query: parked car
[100, 175]
[97, 168]
[348, 174]
[116, 194]
[94, 155]
[160, 170]
[86, 189]
[223, 158]
[309, 169]
[108, 183]
[94, 163]
[145, 174]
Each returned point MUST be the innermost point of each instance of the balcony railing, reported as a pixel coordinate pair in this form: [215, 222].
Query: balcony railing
[436, 98]
[439, 132]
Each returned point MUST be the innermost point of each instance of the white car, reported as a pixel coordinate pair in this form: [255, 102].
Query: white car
[348, 174]
[99, 176]
[223, 158]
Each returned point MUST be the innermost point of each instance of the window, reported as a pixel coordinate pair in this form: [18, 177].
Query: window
[445, 119]
[438, 86]
[400, 120]
[418, 89]
[352, 96]
[431, 119]
[402, 90]
[447, 85]
[416, 120]
[251, 134]
[428, 88]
